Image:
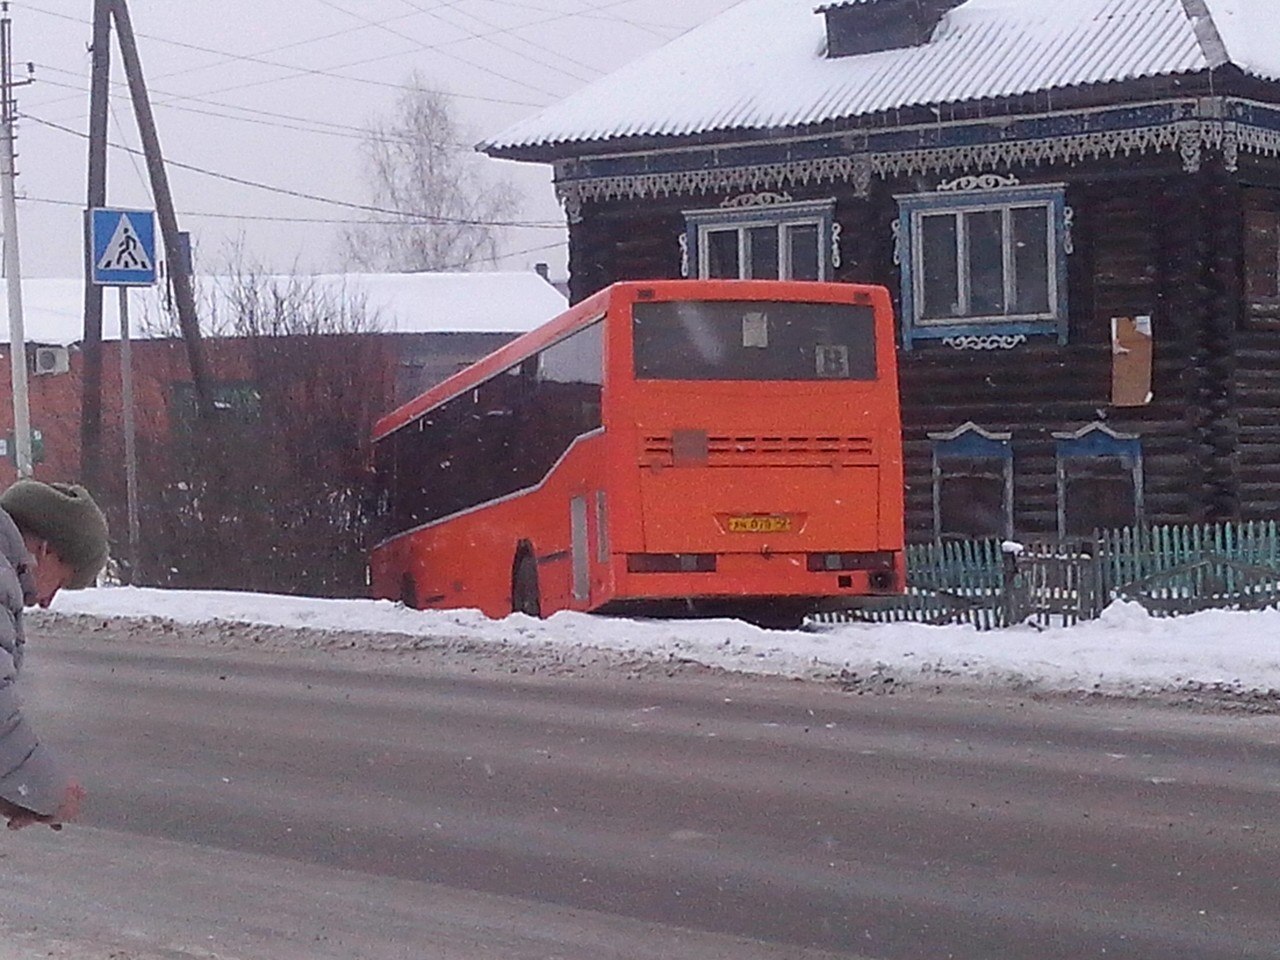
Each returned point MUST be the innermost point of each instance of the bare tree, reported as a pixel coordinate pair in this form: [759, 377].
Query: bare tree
[244, 299]
[271, 493]
[447, 213]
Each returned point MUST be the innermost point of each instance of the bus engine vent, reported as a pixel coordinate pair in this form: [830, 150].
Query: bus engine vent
[740, 450]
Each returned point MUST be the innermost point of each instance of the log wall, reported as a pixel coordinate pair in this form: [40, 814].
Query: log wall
[1148, 239]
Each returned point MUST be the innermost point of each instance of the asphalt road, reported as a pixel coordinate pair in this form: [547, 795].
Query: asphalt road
[272, 807]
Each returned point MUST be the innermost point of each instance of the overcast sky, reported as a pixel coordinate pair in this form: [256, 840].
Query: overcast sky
[277, 92]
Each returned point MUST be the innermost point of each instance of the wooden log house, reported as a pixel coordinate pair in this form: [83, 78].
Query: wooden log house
[1076, 206]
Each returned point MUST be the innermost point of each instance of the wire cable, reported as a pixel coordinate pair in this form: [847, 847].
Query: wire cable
[492, 39]
[421, 218]
[274, 218]
[436, 49]
[296, 71]
[302, 124]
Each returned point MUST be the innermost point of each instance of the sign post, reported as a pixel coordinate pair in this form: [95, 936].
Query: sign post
[123, 255]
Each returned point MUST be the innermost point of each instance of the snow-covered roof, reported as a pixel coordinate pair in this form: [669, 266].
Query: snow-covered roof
[762, 64]
[498, 302]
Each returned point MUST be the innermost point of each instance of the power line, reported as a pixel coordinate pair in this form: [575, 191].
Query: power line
[133, 155]
[273, 218]
[491, 38]
[228, 216]
[296, 71]
[594, 12]
[228, 58]
[302, 124]
[591, 13]
[436, 49]
[422, 218]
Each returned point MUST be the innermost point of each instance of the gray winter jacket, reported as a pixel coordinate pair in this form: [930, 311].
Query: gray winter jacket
[29, 776]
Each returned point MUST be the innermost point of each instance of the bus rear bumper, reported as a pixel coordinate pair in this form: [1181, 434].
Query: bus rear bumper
[737, 577]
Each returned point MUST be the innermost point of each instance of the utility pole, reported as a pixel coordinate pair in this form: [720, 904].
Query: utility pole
[130, 442]
[181, 280]
[91, 387]
[12, 262]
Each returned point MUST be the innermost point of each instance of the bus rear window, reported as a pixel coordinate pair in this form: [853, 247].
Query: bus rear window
[753, 340]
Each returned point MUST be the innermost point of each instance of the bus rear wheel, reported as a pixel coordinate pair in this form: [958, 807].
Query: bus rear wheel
[525, 596]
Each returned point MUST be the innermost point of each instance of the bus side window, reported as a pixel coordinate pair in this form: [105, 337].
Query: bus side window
[502, 435]
[570, 380]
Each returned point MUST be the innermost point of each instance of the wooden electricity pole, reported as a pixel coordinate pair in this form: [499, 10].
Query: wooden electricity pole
[91, 389]
[105, 13]
[179, 277]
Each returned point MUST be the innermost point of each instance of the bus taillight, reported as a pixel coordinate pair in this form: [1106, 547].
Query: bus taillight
[671, 563]
[880, 560]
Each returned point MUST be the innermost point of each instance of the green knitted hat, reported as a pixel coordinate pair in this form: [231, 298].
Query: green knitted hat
[65, 515]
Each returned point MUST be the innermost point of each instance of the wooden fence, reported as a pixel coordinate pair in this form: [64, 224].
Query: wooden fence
[951, 582]
[1170, 570]
[1173, 570]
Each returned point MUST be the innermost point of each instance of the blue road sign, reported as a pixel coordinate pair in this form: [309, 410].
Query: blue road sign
[123, 247]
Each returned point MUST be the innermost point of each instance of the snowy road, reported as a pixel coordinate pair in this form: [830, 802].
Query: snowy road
[259, 806]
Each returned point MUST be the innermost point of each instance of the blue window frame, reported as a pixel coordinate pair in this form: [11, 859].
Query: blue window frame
[1100, 483]
[972, 483]
[978, 262]
[778, 240]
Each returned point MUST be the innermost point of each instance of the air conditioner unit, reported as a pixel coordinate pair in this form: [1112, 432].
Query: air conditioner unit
[52, 360]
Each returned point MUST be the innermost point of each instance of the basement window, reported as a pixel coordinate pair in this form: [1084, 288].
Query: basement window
[1099, 480]
[1262, 258]
[972, 484]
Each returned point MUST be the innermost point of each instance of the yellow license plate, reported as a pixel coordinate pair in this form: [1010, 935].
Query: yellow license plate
[758, 524]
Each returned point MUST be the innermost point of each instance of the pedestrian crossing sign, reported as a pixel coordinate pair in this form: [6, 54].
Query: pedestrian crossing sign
[122, 249]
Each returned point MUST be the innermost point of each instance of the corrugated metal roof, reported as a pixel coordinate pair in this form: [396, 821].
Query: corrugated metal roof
[762, 64]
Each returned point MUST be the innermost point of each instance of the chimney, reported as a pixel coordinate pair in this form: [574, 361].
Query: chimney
[542, 270]
[869, 26]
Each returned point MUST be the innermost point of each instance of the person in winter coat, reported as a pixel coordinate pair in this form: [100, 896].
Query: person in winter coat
[52, 537]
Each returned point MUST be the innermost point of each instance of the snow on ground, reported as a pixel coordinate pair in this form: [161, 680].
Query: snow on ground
[1125, 652]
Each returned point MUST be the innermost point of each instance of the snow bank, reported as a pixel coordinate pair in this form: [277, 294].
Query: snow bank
[1126, 651]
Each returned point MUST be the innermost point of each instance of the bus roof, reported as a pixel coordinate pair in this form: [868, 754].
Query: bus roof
[596, 306]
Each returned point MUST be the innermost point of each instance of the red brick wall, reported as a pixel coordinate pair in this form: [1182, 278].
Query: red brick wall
[321, 396]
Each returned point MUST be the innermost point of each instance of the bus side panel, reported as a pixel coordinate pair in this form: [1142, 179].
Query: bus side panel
[435, 558]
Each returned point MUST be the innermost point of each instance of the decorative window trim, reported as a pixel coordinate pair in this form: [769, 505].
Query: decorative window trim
[970, 441]
[1093, 442]
[761, 210]
[993, 194]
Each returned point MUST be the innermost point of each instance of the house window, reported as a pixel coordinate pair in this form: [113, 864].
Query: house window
[983, 262]
[1099, 480]
[1262, 256]
[972, 484]
[769, 241]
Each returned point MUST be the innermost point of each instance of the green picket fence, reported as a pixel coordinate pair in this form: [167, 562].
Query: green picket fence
[1170, 569]
[1181, 569]
[951, 582]
[1132, 554]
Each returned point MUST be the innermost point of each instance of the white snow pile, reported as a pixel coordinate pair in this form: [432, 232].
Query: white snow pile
[1124, 652]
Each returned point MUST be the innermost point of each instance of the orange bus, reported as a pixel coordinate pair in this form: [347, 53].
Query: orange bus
[668, 447]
